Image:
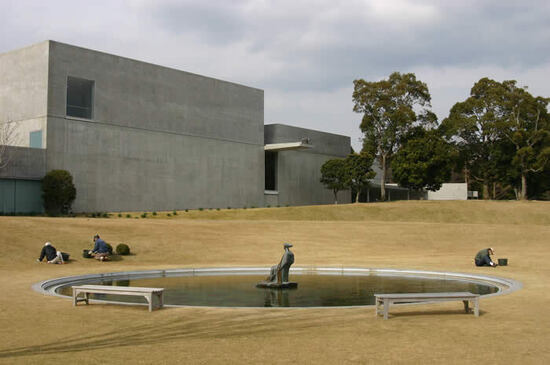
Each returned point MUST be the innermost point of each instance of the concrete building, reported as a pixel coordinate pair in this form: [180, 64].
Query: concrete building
[137, 136]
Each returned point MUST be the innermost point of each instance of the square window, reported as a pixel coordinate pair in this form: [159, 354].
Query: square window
[79, 97]
[35, 139]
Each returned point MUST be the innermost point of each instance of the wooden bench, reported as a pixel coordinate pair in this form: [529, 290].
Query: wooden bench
[387, 299]
[148, 293]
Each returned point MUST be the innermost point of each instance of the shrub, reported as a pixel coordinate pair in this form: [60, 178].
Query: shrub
[119, 215]
[228, 207]
[154, 213]
[176, 213]
[186, 210]
[128, 216]
[58, 192]
[217, 208]
[168, 215]
[106, 215]
[201, 209]
[143, 215]
[122, 249]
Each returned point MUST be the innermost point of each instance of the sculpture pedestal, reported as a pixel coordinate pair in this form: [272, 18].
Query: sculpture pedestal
[275, 285]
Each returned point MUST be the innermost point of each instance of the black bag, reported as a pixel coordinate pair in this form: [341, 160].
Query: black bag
[65, 256]
[85, 254]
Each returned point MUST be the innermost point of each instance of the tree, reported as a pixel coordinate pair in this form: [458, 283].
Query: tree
[472, 125]
[526, 124]
[8, 135]
[333, 176]
[390, 109]
[424, 162]
[359, 172]
[58, 192]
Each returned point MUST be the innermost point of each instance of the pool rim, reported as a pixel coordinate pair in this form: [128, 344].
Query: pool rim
[48, 287]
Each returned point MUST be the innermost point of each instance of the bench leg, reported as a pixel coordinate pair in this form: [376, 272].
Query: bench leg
[466, 306]
[74, 297]
[161, 299]
[476, 307]
[386, 308]
[149, 298]
[87, 298]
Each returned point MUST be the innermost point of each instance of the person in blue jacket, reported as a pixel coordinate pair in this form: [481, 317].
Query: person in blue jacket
[100, 250]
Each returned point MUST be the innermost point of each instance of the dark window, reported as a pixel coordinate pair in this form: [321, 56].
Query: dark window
[270, 170]
[79, 97]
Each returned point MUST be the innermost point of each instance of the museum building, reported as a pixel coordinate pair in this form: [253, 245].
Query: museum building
[142, 137]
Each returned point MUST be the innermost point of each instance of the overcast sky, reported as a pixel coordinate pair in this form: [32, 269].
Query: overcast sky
[306, 54]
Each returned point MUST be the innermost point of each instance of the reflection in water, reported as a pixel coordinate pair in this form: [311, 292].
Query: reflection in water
[313, 291]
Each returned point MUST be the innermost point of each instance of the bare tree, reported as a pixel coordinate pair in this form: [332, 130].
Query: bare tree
[8, 136]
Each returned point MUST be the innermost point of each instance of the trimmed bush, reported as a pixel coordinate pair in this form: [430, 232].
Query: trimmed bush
[58, 192]
[122, 249]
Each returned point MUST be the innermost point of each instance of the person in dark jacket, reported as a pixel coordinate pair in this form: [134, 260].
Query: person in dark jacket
[100, 250]
[51, 254]
[483, 258]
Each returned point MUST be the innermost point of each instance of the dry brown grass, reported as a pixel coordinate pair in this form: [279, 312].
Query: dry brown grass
[422, 235]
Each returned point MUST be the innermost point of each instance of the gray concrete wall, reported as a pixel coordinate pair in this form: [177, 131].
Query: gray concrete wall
[159, 138]
[25, 163]
[23, 90]
[299, 172]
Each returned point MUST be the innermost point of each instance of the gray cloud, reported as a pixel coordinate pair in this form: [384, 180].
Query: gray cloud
[302, 52]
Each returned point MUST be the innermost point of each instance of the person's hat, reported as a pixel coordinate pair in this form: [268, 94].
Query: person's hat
[96, 236]
[287, 245]
[47, 244]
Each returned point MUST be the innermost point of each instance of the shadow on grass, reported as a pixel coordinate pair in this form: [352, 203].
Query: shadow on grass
[169, 330]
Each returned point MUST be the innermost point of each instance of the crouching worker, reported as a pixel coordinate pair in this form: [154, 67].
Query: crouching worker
[51, 254]
[483, 258]
[101, 250]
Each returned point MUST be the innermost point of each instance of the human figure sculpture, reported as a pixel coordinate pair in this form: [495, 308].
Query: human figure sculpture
[278, 276]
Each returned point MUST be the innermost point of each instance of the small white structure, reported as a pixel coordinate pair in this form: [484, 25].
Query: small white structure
[449, 191]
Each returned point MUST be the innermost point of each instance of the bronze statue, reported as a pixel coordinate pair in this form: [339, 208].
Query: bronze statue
[278, 277]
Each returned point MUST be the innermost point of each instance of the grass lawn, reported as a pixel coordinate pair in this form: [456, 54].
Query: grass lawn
[515, 328]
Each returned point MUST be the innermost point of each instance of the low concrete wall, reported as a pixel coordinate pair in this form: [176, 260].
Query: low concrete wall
[450, 191]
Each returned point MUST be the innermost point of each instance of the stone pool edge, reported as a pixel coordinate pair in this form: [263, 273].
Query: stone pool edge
[49, 287]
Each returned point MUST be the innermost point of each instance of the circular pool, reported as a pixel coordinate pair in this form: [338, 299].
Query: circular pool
[317, 287]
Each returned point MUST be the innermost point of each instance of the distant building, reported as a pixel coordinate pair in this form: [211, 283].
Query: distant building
[137, 136]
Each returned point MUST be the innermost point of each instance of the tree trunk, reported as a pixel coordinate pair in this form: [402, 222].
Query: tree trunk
[357, 196]
[383, 180]
[335, 196]
[486, 191]
[523, 194]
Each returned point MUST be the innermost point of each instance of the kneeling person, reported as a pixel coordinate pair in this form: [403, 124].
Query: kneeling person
[100, 251]
[51, 254]
[483, 258]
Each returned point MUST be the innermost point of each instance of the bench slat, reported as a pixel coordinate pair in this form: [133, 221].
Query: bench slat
[118, 288]
[450, 295]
